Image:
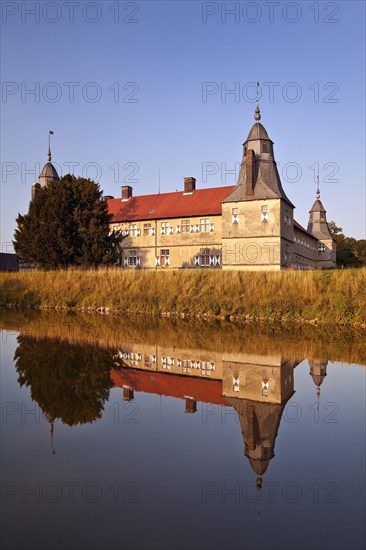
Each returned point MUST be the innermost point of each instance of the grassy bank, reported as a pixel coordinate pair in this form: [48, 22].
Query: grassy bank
[325, 296]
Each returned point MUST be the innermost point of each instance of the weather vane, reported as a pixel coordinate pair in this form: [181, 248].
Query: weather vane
[50, 133]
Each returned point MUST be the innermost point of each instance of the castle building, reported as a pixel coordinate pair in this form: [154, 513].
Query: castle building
[249, 226]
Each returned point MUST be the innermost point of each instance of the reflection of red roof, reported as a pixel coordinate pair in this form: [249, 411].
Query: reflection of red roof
[298, 226]
[171, 385]
[202, 202]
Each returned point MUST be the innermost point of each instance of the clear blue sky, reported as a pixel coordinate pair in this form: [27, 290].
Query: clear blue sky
[150, 63]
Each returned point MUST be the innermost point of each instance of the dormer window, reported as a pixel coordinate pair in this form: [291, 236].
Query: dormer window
[264, 210]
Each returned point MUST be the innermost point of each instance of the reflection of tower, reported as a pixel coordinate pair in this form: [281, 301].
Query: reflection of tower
[51, 420]
[259, 424]
[318, 371]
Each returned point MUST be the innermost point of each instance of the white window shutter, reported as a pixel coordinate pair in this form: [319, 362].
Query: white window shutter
[218, 260]
[212, 227]
[138, 232]
[167, 260]
[157, 261]
[153, 231]
[178, 229]
[138, 262]
[212, 260]
[125, 262]
[196, 260]
[198, 228]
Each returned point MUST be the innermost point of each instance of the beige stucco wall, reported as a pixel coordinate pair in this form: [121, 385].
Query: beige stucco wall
[251, 243]
[183, 246]
[248, 244]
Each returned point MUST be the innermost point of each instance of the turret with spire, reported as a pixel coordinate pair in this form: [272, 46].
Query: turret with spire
[254, 212]
[48, 173]
[258, 177]
[318, 226]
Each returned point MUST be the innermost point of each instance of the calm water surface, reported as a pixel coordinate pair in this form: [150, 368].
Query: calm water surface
[130, 434]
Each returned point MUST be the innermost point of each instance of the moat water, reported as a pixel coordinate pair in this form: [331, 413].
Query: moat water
[139, 434]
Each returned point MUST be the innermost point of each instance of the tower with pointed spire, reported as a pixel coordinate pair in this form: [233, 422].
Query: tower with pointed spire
[318, 227]
[257, 217]
[48, 173]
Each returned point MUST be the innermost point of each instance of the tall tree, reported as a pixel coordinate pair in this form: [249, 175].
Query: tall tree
[350, 252]
[67, 224]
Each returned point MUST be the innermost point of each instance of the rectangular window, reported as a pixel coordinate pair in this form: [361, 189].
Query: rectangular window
[185, 226]
[164, 257]
[132, 258]
[205, 225]
[165, 227]
[205, 257]
[147, 229]
[264, 210]
[133, 231]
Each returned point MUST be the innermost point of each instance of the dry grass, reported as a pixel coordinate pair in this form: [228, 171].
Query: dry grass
[329, 296]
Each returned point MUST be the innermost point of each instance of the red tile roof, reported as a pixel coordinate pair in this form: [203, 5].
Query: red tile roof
[298, 226]
[171, 385]
[202, 202]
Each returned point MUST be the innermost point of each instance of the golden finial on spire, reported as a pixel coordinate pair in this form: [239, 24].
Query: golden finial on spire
[257, 115]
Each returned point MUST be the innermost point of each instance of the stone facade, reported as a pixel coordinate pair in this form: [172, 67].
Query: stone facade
[249, 226]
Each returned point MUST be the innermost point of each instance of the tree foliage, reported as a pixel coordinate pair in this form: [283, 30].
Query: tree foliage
[350, 252]
[68, 381]
[67, 224]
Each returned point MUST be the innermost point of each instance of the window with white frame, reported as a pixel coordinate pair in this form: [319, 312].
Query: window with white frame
[133, 230]
[185, 226]
[205, 257]
[264, 210]
[165, 228]
[148, 229]
[205, 225]
[164, 257]
[132, 258]
[235, 215]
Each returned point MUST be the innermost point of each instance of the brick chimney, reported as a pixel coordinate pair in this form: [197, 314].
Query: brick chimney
[249, 167]
[189, 185]
[191, 405]
[36, 187]
[126, 192]
[127, 393]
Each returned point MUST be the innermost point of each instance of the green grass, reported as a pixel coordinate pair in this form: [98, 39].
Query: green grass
[326, 296]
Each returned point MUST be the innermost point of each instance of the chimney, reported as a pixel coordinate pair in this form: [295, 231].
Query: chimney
[126, 192]
[191, 405]
[127, 393]
[35, 189]
[249, 167]
[189, 185]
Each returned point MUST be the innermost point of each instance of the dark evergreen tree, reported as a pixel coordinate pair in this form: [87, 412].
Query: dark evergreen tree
[67, 224]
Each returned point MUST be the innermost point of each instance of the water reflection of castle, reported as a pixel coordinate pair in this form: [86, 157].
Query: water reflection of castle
[256, 386]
